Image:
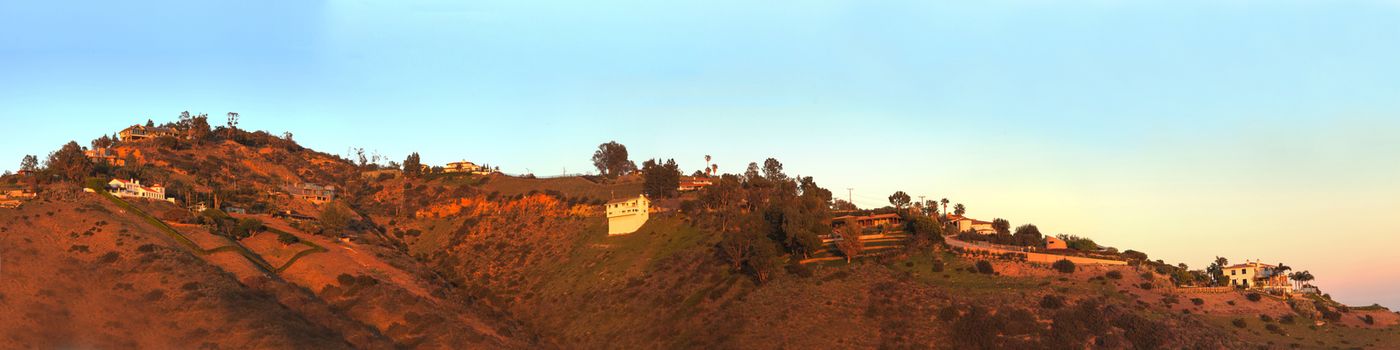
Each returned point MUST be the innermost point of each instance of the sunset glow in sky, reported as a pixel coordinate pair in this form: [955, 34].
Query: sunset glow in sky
[1186, 129]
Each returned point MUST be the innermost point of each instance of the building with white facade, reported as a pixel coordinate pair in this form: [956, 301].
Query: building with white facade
[627, 215]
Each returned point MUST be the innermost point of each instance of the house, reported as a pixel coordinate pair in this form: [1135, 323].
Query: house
[9, 203]
[312, 192]
[1253, 274]
[291, 215]
[134, 189]
[868, 221]
[628, 214]
[461, 167]
[141, 132]
[18, 194]
[100, 155]
[1055, 243]
[693, 183]
[961, 223]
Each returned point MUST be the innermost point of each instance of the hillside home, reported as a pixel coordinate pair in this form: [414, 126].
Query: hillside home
[627, 215]
[9, 203]
[693, 183]
[461, 167]
[141, 132]
[1254, 274]
[868, 221]
[134, 189]
[312, 192]
[100, 155]
[1055, 243]
[961, 223]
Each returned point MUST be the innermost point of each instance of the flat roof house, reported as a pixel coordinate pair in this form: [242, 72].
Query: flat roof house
[693, 183]
[867, 221]
[134, 189]
[461, 167]
[628, 214]
[312, 192]
[963, 224]
[141, 132]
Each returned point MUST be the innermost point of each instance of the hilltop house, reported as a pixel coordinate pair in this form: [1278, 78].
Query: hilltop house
[628, 214]
[867, 221]
[1253, 274]
[312, 192]
[134, 189]
[141, 132]
[100, 155]
[461, 167]
[1055, 243]
[961, 223]
[693, 183]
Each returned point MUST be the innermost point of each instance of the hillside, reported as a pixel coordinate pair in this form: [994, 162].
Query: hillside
[450, 261]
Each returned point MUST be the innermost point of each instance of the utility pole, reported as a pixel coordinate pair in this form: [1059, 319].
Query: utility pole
[921, 204]
[848, 196]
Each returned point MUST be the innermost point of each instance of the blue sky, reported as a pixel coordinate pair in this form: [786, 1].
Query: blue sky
[1189, 129]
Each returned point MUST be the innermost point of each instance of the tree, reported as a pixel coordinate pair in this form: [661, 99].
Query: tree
[247, 227]
[102, 142]
[1217, 270]
[1027, 235]
[849, 243]
[1063, 266]
[660, 180]
[611, 160]
[411, 166]
[842, 204]
[199, 128]
[707, 165]
[773, 170]
[1303, 277]
[335, 218]
[232, 124]
[1002, 226]
[751, 173]
[69, 162]
[150, 123]
[945, 205]
[29, 163]
[899, 199]
[959, 209]
[714, 169]
[287, 136]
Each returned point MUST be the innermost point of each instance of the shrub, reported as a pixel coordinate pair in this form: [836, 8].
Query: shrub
[1145, 285]
[287, 238]
[1255, 297]
[1369, 320]
[1266, 318]
[1063, 266]
[345, 279]
[1114, 275]
[985, 267]
[1239, 322]
[1198, 301]
[1052, 302]
[938, 266]
[1147, 276]
[1275, 329]
[1286, 319]
[948, 313]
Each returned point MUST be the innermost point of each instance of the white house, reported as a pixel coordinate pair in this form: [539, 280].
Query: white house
[627, 215]
[461, 167]
[1253, 274]
[134, 189]
[963, 224]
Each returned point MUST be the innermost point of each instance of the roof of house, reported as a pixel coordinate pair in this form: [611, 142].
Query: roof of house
[1247, 265]
[625, 200]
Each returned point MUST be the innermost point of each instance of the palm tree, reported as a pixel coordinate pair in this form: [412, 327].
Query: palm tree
[707, 163]
[959, 209]
[715, 168]
[1302, 277]
[945, 206]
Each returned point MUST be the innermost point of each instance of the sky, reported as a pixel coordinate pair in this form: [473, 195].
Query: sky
[1185, 129]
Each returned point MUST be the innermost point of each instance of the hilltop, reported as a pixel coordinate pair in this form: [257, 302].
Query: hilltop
[393, 256]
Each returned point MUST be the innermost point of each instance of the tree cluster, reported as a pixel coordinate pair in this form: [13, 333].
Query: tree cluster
[764, 213]
[660, 180]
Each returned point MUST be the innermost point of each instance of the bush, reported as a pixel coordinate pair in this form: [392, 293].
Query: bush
[1063, 266]
[985, 267]
[1275, 329]
[948, 313]
[938, 266]
[1114, 275]
[1052, 302]
[1286, 319]
[1369, 320]
[1266, 318]
[1239, 322]
[1198, 301]
[287, 238]
[345, 279]
[1145, 285]
[1255, 297]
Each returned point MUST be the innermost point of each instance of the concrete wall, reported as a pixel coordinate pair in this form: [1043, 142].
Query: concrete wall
[1042, 258]
[622, 225]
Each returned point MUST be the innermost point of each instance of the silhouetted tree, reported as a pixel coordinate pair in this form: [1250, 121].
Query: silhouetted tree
[660, 180]
[69, 163]
[899, 199]
[29, 163]
[842, 204]
[959, 209]
[1001, 226]
[752, 172]
[1027, 235]
[773, 170]
[611, 160]
[335, 218]
[412, 168]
